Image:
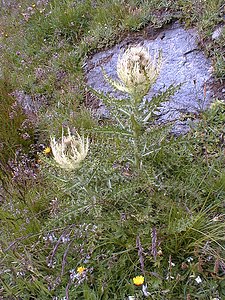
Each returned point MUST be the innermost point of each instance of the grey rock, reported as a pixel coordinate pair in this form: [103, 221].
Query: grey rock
[217, 32]
[183, 63]
[101, 112]
[30, 105]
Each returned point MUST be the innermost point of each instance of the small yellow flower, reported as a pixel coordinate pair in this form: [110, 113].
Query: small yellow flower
[80, 270]
[33, 5]
[138, 280]
[6, 35]
[47, 150]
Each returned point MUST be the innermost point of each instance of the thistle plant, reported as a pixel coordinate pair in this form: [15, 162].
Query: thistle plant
[70, 151]
[137, 72]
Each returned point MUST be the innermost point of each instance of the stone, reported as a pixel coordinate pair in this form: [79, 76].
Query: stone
[183, 63]
[217, 32]
[30, 105]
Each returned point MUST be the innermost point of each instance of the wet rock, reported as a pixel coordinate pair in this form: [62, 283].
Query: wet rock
[183, 63]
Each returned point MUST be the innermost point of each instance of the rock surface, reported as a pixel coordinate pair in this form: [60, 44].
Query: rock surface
[217, 32]
[183, 63]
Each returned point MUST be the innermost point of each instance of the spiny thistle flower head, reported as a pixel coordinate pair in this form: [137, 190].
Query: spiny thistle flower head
[70, 151]
[137, 71]
[217, 104]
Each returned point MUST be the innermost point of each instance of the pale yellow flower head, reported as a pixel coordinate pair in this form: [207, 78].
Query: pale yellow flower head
[216, 104]
[70, 151]
[137, 71]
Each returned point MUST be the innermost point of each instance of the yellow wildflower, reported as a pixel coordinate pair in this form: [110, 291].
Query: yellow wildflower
[80, 270]
[47, 150]
[138, 280]
[33, 5]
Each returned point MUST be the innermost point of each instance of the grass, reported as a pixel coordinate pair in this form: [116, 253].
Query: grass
[165, 222]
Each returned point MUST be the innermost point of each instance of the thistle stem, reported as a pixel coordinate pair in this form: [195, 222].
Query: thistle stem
[136, 130]
[137, 157]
